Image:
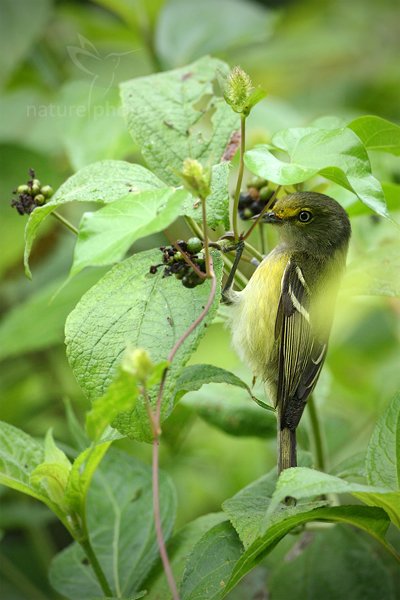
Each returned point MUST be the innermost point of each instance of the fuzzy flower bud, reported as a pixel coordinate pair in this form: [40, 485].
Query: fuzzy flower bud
[138, 363]
[197, 179]
[240, 93]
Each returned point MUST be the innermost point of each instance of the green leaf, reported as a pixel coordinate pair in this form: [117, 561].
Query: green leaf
[389, 501]
[51, 476]
[246, 510]
[121, 529]
[179, 548]
[120, 396]
[337, 154]
[383, 454]
[372, 520]
[38, 322]
[320, 569]
[377, 133]
[195, 376]
[175, 115]
[217, 201]
[227, 409]
[301, 482]
[105, 236]
[81, 474]
[19, 456]
[101, 182]
[129, 306]
[209, 567]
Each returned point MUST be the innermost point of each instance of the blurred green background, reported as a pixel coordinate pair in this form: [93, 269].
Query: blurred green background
[60, 64]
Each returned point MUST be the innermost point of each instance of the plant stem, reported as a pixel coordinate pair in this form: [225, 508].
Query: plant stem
[240, 177]
[262, 238]
[158, 525]
[253, 251]
[317, 435]
[189, 262]
[264, 210]
[64, 221]
[101, 578]
[205, 229]
[240, 279]
[156, 442]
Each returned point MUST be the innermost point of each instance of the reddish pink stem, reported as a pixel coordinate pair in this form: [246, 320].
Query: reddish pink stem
[157, 521]
[156, 442]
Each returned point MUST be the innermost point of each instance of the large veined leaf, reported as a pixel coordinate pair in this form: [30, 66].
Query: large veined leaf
[131, 307]
[383, 455]
[210, 564]
[175, 115]
[321, 569]
[105, 235]
[377, 133]
[219, 561]
[337, 154]
[101, 182]
[121, 529]
[19, 456]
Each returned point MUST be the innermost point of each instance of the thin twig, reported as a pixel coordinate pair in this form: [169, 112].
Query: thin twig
[262, 238]
[205, 229]
[157, 522]
[264, 210]
[156, 442]
[240, 177]
[317, 435]
[189, 261]
[64, 221]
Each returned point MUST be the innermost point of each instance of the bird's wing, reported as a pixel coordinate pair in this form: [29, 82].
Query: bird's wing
[301, 353]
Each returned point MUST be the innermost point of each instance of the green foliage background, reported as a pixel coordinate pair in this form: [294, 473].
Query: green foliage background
[61, 63]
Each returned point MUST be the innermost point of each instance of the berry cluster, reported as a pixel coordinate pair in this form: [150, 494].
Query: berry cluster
[254, 200]
[30, 195]
[174, 263]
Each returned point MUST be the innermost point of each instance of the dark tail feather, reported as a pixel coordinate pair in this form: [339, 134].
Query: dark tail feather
[286, 448]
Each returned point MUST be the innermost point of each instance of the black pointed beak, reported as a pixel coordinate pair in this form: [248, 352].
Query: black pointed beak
[270, 217]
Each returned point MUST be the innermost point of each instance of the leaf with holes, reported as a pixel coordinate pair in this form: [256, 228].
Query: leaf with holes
[176, 115]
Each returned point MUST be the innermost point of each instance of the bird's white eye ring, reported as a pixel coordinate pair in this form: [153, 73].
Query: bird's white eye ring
[304, 216]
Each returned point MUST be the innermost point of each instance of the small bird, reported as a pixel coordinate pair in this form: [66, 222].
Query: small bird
[282, 319]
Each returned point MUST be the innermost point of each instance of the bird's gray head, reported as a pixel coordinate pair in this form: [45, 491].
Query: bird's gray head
[310, 222]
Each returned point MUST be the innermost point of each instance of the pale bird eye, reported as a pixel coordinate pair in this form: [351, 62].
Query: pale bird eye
[304, 216]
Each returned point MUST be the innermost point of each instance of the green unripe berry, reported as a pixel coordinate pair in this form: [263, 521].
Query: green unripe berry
[194, 245]
[39, 199]
[177, 257]
[23, 189]
[35, 188]
[47, 191]
[265, 193]
[247, 213]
